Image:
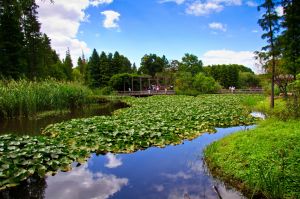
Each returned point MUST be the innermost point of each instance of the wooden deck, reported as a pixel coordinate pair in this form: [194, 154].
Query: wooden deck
[145, 93]
[172, 92]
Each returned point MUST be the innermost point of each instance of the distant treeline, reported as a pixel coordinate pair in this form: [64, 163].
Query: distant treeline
[25, 52]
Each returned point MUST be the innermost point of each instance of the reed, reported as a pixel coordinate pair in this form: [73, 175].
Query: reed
[25, 98]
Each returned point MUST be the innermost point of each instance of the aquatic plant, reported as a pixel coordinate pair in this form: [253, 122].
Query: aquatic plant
[154, 121]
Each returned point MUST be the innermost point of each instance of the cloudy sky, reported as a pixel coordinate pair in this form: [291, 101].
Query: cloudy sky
[217, 31]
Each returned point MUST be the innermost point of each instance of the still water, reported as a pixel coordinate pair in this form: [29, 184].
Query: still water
[33, 126]
[174, 172]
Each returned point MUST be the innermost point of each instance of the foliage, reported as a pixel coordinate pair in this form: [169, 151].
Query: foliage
[293, 103]
[25, 51]
[152, 64]
[26, 98]
[226, 75]
[248, 80]
[204, 84]
[265, 160]
[190, 63]
[188, 84]
[290, 38]
[153, 121]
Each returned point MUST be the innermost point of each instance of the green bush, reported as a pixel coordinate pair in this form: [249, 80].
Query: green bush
[186, 84]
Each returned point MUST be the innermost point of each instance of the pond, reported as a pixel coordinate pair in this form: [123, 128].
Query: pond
[33, 126]
[174, 172]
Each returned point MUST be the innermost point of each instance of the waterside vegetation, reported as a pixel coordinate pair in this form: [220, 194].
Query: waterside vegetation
[28, 98]
[263, 162]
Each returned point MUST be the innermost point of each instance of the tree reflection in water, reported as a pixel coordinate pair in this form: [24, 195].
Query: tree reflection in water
[32, 188]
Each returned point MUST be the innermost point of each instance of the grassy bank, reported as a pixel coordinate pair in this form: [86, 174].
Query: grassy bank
[262, 162]
[27, 98]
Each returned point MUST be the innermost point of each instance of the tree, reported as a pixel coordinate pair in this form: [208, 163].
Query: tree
[68, 66]
[152, 64]
[190, 63]
[134, 68]
[248, 80]
[226, 75]
[94, 72]
[290, 38]
[33, 37]
[12, 62]
[270, 24]
[104, 70]
[205, 84]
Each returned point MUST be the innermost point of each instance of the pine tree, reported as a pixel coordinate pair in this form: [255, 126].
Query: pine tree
[12, 62]
[94, 72]
[270, 24]
[68, 65]
[104, 70]
[33, 38]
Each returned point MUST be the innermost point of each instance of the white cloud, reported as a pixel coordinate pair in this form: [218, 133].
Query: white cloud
[113, 161]
[61, 21]
[111, 19]
[199, 9]
[245, 58]
[82, 183]
[254, 31]
[99, 2]
[206, 7]
[176, 1]
[251, 4]
[279, 10]
[217, 26]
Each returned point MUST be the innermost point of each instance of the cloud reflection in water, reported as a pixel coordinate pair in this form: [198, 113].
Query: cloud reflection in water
[113, 161]
[82, 183]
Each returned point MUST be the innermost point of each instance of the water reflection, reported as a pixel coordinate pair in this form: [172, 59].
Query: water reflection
[33, 126]
[112, 161]
[174, 172]
[32, 188]
[82, 183]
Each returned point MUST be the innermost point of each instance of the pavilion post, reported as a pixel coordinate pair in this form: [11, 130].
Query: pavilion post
[140, 84]
[132, 83]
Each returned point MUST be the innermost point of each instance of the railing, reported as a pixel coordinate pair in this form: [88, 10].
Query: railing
[243, 91]
[172, 92]
[146, 93]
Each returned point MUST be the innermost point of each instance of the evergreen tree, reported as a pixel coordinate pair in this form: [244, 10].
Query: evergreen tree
[12, 62]
[270, 24]
[33, 45]
[125, 65]
[94, 72]
[104, 70]
[116, 63]
[134, 68]
[68, 65]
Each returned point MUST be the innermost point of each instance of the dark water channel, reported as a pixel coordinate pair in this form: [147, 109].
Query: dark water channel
[33, 126]
[174, 172]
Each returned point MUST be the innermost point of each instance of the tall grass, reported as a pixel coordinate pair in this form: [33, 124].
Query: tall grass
[26, 98]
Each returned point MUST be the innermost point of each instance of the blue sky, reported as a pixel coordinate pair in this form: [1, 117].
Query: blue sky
[217, 31]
